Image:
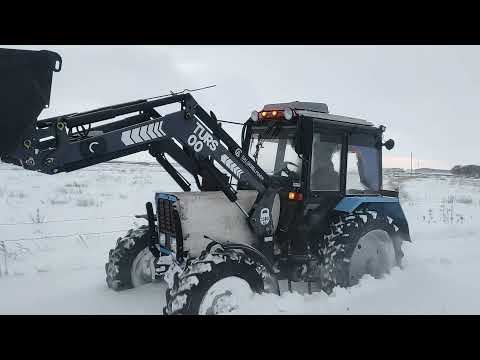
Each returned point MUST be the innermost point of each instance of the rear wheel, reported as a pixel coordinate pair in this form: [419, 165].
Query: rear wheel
[130, 263]
[215, 283]
[363, 242]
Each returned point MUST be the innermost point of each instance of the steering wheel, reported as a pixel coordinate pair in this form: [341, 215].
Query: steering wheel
[286, 169]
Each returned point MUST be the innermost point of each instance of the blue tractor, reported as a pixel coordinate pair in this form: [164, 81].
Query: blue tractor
[299, 199]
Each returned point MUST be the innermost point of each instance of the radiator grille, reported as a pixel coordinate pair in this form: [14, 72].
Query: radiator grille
[165, 214]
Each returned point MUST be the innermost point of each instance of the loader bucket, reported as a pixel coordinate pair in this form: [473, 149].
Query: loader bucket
[25, 85]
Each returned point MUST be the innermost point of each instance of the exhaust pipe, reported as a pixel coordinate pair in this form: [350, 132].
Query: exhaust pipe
[25, 87]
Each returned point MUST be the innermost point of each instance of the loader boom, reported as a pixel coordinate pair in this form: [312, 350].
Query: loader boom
[190, 136]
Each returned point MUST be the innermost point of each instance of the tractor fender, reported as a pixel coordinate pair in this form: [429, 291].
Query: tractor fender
[386, 205]
[351, 203]
[248, 249]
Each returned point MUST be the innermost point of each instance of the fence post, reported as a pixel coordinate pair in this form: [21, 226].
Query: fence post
[4, 248]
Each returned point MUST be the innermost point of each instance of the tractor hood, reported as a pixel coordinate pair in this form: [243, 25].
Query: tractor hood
[25, 86]
[209, 214]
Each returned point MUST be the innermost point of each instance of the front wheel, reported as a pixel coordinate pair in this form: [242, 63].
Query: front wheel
[215, 283]
[130, 264]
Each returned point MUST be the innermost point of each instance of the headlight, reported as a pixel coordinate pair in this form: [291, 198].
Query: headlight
[288, 114]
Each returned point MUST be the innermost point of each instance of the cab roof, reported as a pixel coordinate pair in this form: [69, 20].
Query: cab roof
[317, 111]
[298, 105]
[335, 118]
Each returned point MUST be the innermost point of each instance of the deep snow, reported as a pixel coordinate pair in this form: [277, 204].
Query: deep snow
[65, 275]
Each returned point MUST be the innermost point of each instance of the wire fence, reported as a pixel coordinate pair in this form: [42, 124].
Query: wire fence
[4, 249]
[64, 235]
[66, 220]
[2, 241]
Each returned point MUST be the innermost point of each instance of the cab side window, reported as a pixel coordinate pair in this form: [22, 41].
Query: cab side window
[363, 167]
[325, 164]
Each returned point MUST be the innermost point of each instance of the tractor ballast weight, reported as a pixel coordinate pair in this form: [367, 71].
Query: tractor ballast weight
[25, 86]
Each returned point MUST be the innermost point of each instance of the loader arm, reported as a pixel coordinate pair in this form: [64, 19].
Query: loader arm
[69, 142]
[189, 135]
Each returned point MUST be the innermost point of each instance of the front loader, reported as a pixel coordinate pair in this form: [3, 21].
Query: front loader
[300, 199]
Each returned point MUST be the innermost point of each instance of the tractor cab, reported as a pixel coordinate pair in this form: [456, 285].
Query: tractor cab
[322, 164]
[315, 154]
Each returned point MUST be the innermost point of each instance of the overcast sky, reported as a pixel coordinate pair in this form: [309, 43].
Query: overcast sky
[426, 96]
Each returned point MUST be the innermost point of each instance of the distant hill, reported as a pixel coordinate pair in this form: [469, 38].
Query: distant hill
[429, 170]
[467, 170]
[416, 171]
[394, 169]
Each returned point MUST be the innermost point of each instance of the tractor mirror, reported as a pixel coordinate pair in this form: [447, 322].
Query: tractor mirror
[389, 144]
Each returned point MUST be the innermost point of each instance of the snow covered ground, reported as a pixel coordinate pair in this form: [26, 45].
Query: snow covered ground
[58, 230]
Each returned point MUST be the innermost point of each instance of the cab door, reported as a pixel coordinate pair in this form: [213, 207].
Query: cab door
[324, 183]
[327, 164]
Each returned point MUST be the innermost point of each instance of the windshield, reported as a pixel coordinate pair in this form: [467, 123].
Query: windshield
[276, 156]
